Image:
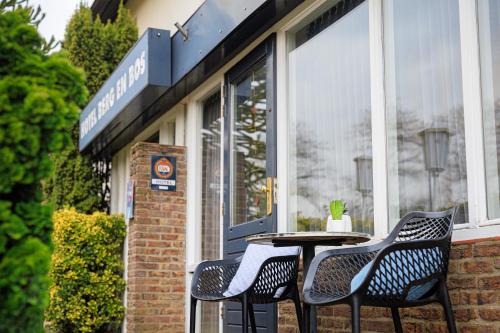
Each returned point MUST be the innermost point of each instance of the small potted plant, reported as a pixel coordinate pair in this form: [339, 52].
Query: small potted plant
[338, 221]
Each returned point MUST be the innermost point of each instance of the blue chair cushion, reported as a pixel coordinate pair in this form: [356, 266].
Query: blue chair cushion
[419, 267]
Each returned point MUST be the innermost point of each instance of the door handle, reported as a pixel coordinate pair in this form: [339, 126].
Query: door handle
[268, 190]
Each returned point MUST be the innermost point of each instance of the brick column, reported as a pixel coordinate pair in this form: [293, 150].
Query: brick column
[156, 247]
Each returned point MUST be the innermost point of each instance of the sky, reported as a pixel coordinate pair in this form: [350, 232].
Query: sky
[57, 15]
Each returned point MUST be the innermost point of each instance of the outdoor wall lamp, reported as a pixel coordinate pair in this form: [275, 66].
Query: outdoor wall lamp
[364, 174]
[364, 180]
[436, 149]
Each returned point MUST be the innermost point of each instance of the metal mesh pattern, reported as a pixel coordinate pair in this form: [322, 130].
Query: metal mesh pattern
[402, 268]
[214, 279]
[422, 228]
[334, 274]
[401, 274]
[276, 273]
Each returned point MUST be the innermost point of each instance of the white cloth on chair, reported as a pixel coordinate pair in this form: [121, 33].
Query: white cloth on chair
[252, 260]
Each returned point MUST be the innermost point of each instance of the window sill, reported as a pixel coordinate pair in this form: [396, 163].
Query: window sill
[482, 231]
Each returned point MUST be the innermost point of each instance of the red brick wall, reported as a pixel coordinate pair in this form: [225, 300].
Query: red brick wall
[156, 257]
[474, 284]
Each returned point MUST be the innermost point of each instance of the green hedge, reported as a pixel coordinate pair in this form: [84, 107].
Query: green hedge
[86, 272]
[40, 96]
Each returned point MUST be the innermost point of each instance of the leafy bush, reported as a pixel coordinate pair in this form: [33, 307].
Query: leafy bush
[86, 272]
[40, 95]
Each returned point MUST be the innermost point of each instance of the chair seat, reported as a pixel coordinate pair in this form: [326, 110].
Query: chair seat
[316, 298]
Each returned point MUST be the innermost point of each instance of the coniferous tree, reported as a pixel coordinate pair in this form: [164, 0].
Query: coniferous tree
[81, 181]
[40, 96]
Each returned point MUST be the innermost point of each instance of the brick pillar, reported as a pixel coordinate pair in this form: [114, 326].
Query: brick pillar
[156, 247]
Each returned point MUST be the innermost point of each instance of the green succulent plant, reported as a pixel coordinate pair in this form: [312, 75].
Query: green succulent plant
[337, 209]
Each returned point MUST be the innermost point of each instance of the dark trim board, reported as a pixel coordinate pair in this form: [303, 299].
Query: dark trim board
[110, 141]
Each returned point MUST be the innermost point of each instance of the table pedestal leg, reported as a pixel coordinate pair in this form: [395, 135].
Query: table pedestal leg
[309, 316]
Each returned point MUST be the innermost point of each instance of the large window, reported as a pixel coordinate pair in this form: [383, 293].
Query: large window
[210, 199]
[330, 150]
[425, 116]
[489, 37]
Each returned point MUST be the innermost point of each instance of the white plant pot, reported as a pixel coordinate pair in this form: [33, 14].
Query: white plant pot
[343, 225]
[347, 223]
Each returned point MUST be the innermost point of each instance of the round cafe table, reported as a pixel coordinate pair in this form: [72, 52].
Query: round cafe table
[309, 240]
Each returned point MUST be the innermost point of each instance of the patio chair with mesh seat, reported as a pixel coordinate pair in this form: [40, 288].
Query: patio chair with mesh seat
[263, 275]
[407, 269]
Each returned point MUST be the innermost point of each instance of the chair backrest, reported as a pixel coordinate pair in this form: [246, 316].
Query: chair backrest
[408, 273]
[424, 226]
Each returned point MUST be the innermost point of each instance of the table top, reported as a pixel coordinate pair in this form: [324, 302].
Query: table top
[310, 238]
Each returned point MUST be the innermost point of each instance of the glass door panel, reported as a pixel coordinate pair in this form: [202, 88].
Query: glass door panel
[248, 146]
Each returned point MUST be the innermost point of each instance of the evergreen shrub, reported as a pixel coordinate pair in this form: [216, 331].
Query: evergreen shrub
[86, 272]
[40, 96]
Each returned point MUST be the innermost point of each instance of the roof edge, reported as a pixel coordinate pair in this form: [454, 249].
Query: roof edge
[106, 9]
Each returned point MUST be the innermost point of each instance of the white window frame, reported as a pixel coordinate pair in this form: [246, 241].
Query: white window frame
[471, 85]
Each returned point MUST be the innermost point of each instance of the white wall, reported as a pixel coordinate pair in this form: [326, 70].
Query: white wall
[162, 14]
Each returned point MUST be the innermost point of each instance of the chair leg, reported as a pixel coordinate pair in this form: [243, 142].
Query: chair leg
[252, 318]
[448, 310]
[355, 315]
[397, 320]
[192, 318]
[306, 323]
[244, 314]
[298, 310]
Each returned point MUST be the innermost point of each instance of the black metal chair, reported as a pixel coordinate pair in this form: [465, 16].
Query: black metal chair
[212, 278]
[407, 269]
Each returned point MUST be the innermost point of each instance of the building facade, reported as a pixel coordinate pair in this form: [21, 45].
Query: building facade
[268, 110]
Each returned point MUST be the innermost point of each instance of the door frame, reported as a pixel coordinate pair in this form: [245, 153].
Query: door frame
[264, 51]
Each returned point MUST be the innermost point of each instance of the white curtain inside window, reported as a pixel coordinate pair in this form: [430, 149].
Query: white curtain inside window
[330, 124]
[425, 123]
[210, 199]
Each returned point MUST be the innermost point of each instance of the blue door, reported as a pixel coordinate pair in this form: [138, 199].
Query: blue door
[249, 165]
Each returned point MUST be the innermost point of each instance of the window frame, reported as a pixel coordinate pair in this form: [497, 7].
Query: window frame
[483, 203]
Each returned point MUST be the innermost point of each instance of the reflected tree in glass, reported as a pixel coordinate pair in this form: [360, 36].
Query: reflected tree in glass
[249, 146]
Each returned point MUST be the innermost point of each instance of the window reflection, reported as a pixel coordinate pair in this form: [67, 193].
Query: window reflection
[425, 123]
[248, 146]
[330, 148]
